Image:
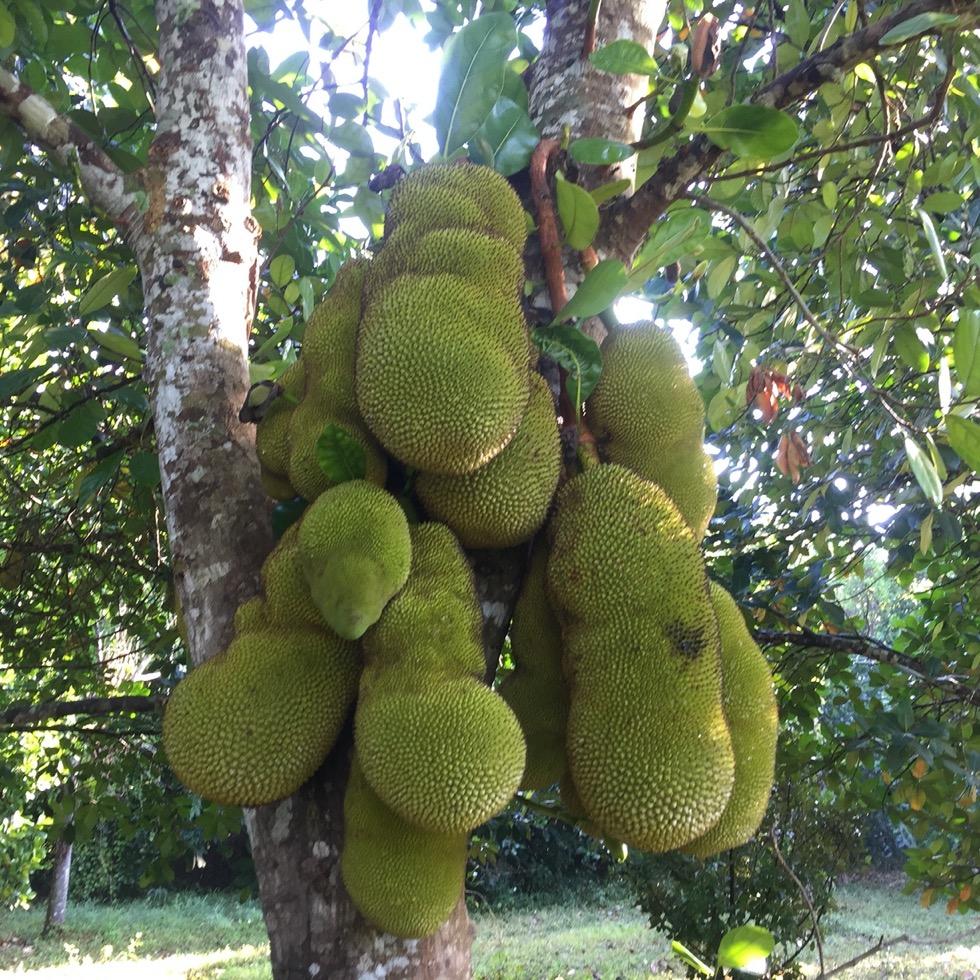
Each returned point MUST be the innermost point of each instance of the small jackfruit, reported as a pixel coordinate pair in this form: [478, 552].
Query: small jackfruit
[251, 725]
[647, 414]
[287, 593]
[436, 745]
[535, 689]
[504, 502]
[454, 196]
[402, 879]
[355, 552]
[442, 374]
[649, 750]
[272, 432]
[750, 709]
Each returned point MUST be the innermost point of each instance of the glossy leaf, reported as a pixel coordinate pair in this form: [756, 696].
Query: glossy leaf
[340, 455]
[578, 213]
[507, 138]
[924, 471]
[104, 290]
[599, 152]
[964, 437]
[624, 57]
[746, 948]
[754, 132]
[577, 354]
[966, 351]
[472, 78]
[691, 959]
[673, 237]
[917, 25]
[597, 292]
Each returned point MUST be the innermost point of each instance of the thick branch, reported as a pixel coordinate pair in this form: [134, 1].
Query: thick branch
[865, 646]
[22, 717]
[627, 221]
[102, 181]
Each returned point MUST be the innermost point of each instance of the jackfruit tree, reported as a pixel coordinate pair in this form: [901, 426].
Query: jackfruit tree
[447, 426]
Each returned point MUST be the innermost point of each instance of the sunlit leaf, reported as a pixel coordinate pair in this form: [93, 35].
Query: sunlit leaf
[624, 57]
[578, 213]
[924, 471]
[966, 351]
[597, 292]
[472, 78]
[917, 25]
[691, 959]
[102, 292]
[507, 138]
[599, 152]
[964, 437]
[746, 948]
[933, 238]
[675, 235]
[754, 132]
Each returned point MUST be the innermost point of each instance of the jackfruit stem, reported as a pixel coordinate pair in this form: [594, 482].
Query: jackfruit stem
[587, 452]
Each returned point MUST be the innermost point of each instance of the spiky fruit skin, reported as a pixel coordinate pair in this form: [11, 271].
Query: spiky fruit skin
[453, 196]
[402, 879]
[443, 357]
[355, 552]
[648, 747]
[272, 435]
[503, 503]
[750, 709]
[535, 689]
[442, 370]
[251, 725]
[647, 414]
[436, 745]
[287, 592]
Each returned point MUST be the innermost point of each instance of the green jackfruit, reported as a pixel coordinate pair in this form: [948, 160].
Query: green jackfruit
[648, 746]
[443, 372]
[355, 551]
[272, 432]
[647, 414]
[402, 879]
[504, 502]
[750, 709]
[436, 745]
[251, 725]
[287, 592]
[454, 196]
[535, 689]
[252, 616]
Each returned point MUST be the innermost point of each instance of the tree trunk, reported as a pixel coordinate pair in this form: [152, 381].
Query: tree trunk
[58, 896]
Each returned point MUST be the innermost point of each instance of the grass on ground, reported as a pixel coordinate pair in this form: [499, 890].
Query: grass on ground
[215, 937]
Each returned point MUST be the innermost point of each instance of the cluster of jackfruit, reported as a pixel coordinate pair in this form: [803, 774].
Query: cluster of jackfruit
[635, 686]
[637, 683]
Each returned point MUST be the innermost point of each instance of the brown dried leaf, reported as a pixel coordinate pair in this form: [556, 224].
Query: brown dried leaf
[792, 455]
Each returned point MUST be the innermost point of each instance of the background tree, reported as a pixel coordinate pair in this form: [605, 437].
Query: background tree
[165, 188]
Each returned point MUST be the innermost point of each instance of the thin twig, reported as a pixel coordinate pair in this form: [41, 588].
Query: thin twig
[806, 897]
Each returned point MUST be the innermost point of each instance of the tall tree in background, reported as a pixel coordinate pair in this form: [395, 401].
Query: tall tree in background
[801, 188]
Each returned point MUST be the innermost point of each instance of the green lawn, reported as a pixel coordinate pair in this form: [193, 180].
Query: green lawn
[190, 937]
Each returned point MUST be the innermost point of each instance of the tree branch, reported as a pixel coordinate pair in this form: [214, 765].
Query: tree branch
[866, 646]
[101, 180]
[626, 222]
[24, 717]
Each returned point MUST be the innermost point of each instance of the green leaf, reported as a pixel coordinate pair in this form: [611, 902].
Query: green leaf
[910, 348]
[624, 57]
[964, 437]
[924, 471]
[7, 27]
[506, 140]
[340, 455]
[472, 78]
[104, 290]
[598, 291]
[577, 354]
[966, 352]
[599, 152]
[798, 23]
[917, 25]
[746, 948]
[98, 478]
[752, 131]
[285, 514]
[281, 269]
[675, 236]
[578, 213]
[144, 467]
[15, 382]
[118, 343]
[690, 959]
[933, 238]
[608, 191]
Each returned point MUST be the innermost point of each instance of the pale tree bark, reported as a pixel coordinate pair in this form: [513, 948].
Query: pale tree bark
[58, 896]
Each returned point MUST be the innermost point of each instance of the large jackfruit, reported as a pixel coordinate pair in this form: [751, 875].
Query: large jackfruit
[649, 750]
[355, 551]
[536, 689]
[443, 356]
[443, 376]
[750, 709]
[506, 501]
[402, 879]
[436, 745]
[454, 196]
[647, 414]
[251, 725]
